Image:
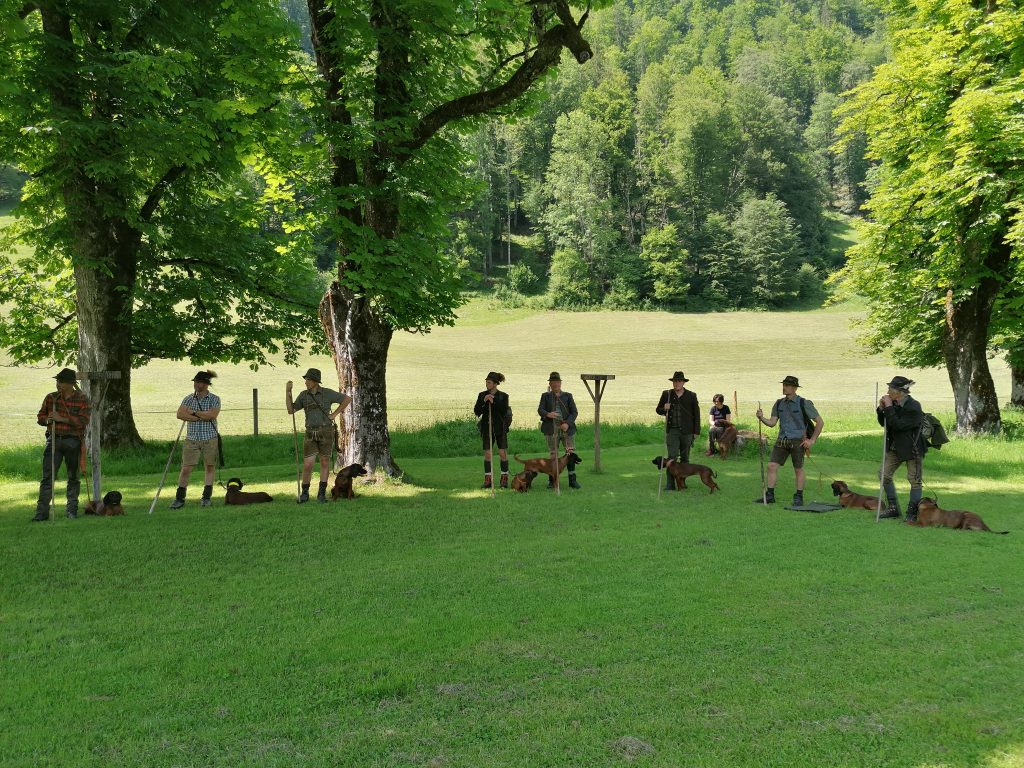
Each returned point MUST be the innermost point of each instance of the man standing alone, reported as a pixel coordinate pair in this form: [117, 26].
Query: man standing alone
[65, 414]
[200, 411]
[321, 434]
[682, 421]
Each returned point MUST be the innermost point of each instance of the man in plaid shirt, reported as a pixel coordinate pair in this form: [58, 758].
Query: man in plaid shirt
[65, 414]
[200, 411]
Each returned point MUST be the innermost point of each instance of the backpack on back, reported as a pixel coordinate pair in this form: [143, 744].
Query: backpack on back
[933, 432]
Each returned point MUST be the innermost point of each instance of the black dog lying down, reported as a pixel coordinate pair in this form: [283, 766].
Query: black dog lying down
[235, 494]
[110, 507]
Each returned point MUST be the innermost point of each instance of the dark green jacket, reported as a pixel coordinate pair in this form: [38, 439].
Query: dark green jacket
[903, 428]
[684, 413]
[566, 407]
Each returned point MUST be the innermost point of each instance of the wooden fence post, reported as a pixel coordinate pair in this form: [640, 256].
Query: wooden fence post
[600, 383]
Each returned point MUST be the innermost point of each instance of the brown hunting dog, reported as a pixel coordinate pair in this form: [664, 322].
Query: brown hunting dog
[521, 483]
[543, 466]
[236, 496]
[110, 507]
[929, 513]
[726, 442]
[343, 481]
[681, 471]
[849, 499]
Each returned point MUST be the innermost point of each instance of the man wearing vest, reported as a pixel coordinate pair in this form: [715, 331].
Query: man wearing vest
[791, 412]
[315, 402]
[558, 413]
[901, 416]
[65, 414]
[682, 421]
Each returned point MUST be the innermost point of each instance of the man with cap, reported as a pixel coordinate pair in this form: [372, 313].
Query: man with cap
[199, 410]
[65, 414]
[558, 413]
[792, 413]
[493, 403]
[682, 421]
[321, 436]
[901, 416]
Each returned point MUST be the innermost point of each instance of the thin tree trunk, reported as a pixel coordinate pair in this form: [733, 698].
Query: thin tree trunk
[359, 342]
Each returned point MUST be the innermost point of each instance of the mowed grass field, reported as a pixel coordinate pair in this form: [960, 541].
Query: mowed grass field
[427, 624]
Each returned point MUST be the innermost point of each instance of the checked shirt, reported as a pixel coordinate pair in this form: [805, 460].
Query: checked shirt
[201, 430]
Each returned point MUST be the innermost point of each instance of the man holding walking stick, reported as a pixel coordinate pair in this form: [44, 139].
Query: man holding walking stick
[199, 411]
[799, 426]
[682, 422]
[65, 414]
[558, 413]
[492, 408]
[901, 416]
[321, 431]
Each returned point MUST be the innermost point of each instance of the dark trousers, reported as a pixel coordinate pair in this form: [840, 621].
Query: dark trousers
[679, 444]
[68, 449]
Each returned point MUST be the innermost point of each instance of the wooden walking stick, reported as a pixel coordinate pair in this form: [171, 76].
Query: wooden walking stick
[490, 439]
[760, 449]
[167, 467]
[664, 461]
[556, 427]
[53, 464]
[298, 466]
[881, 468]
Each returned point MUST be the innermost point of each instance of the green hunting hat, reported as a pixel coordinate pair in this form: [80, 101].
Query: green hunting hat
[66, 375]
[679, 376]
[554, 376]
[496, 377]
[205, 376]
[793, 381]
[313, 374]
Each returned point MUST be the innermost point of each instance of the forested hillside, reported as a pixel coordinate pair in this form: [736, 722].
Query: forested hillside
[687, 165]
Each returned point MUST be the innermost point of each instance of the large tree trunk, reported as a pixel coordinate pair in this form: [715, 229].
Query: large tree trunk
[965, 348]
[104, 310]
[359, 341]
[1017, 386]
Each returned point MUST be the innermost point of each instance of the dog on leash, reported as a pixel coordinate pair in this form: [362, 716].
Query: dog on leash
[110, 507]
[929, 513]
[236, 496]
[343, 481]
[851, 500]
[521, 483]
[680, 472]
[544, 466]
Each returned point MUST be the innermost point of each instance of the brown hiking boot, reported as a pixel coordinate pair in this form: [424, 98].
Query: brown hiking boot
[487, 482]
[504, 479]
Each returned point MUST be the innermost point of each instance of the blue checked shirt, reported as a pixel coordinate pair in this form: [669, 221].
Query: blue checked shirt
[201, 430]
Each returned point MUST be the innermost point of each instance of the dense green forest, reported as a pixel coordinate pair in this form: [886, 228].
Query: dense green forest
[687, 166]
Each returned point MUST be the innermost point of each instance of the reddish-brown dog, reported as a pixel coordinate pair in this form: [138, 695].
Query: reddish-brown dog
[849, 499]
[110, 507]
[236, 496]
[680, 472]
[543, 466]
[343, 481]
[727, 441]
[929, 513]
[521, 483]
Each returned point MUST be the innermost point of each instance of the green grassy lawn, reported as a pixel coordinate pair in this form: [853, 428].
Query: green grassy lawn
[426, 624]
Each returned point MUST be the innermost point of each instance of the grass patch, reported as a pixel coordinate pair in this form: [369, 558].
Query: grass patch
[427, 624]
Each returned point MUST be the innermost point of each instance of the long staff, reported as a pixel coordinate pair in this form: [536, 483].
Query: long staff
[169, 457]
[490, 440]
[556, 428]
[298, 469]
[760, 448]
[53, 464]
[881, 469]
[664, 460]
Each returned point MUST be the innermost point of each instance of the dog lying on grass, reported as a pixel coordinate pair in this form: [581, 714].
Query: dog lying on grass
[543, 466]
[110, 507]
[343, 481]
[929, 513]
[521, 483]
[236, 496]
[851, 500]
[680, 472]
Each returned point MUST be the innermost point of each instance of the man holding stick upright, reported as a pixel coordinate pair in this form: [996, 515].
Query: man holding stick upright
[492, 408]
[799, 426]
[558, 414]
[65, 414]
[321, 431]
[200, 411]
[901, 417]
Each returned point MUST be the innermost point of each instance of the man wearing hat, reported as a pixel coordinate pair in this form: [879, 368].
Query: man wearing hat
[492, 402]
[200, 411]
[682, 421]
[65, 414]
[901, 416]
[321, 435]
[558, 414]
[792, 413]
